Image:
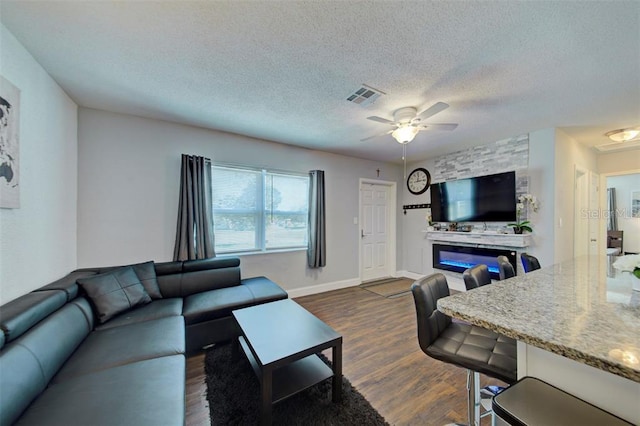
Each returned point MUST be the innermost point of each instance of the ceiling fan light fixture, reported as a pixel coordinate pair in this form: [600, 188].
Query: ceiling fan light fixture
[623, 135]
[405, 133]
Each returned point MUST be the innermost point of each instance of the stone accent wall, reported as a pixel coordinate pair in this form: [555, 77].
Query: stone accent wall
[501, 156]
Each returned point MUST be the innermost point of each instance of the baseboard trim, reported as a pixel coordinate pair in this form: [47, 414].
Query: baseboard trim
[408, 274]
[337, 285]
[321, 288]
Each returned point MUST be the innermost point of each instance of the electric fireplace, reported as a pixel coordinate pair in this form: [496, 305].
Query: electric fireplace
[459, 258]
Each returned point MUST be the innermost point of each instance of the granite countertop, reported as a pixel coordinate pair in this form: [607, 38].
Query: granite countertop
[572, 309]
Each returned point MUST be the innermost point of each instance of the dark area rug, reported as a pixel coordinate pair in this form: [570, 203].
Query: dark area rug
[233, 392]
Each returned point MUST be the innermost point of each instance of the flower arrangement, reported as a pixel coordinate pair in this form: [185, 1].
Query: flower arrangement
[429, 220]
[524, 202]
[629, 263]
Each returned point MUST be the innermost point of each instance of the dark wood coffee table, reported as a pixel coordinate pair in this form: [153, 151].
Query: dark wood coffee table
[281, 340]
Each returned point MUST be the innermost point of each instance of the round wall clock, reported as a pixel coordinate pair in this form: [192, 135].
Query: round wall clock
[418, 181]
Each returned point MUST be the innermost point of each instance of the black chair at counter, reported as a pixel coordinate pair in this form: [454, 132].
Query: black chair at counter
[529, 263]
[477, 349]
[505, 268]
[476, 276]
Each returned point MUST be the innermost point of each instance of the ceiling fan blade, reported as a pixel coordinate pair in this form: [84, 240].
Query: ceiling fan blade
[433, 110]
[376, 136]
[380, 119]
[441, 126]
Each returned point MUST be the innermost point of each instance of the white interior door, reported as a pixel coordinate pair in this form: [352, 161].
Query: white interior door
[374, 231]
[581, 206]
[594, 219]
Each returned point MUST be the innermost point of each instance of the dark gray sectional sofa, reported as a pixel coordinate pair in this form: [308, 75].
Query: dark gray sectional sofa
[62, 363]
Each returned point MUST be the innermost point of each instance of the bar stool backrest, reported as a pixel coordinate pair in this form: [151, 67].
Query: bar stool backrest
[476, 276]
[431, 322]
[529, 263]
[505, 268]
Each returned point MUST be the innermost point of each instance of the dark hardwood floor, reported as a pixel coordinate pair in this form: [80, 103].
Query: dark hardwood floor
[381, 358]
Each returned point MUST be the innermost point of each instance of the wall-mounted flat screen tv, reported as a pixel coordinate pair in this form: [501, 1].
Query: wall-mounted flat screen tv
[490, 198]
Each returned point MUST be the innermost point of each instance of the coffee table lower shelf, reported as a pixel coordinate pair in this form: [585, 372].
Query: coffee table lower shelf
[292, 378]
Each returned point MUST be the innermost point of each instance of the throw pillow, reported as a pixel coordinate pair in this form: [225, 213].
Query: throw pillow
[146, 272]
[114, 292]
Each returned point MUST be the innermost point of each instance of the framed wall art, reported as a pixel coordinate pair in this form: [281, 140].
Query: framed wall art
[9, 145]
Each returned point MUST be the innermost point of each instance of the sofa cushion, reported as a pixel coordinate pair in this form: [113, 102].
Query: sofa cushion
[22, 313]
[160, 308]
[211, 263]
[219, 303]
[22, 381]
[181, 279]
[116, 346]
[264, 290]
[146, 272]
[149, 392]
[114, 292]
[28, 363]
[214, 304]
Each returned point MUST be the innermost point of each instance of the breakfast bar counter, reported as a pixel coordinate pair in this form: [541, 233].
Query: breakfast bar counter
[577, 329]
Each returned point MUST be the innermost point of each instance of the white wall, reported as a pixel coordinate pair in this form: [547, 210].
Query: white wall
[624, 185]
[569, 154]
[38, 240]
[619, 162]
[542, 181]
[129, 172]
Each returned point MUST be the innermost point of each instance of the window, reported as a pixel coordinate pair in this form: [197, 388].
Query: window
[259, 210]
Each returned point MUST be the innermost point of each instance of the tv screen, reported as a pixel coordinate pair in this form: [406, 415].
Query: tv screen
[490, 198]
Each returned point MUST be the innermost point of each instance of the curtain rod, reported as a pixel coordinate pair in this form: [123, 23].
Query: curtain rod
[191, 155]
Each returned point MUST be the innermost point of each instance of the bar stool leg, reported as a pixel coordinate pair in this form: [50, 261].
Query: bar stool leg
[476, 396]
[473, 398]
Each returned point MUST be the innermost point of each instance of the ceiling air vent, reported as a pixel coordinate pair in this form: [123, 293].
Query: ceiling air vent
[365, 95]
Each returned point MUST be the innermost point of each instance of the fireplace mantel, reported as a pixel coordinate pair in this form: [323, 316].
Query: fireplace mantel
[481, 238]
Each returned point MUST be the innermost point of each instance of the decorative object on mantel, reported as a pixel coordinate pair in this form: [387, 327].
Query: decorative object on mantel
[630, 263]
[429, 220]
[524, 201]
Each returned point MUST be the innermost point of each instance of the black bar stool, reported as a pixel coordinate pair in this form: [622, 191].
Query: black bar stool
[529, 263]
[477, 349]
[505, 268]
[476, 276]
[533, 402]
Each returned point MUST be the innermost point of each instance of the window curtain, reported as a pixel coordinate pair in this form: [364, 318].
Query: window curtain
[316, 252]
[612, 223]
[194, 232]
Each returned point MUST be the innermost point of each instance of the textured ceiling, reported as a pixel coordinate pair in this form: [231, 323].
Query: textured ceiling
[282, 70]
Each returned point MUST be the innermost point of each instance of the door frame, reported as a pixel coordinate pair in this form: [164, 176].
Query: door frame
[392, 217]
[595, 223]
[603, 202]
[581, 182]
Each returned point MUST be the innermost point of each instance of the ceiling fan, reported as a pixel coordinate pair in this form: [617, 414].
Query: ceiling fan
[407, 122]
